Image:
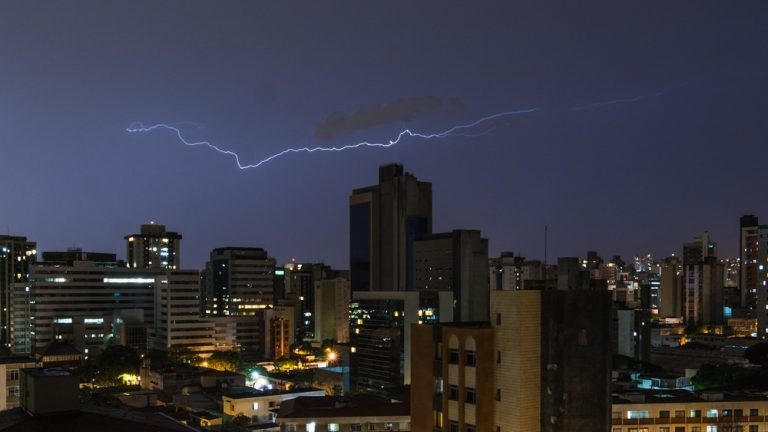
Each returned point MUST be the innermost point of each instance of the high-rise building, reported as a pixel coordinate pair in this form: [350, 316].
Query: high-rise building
[153, 247]
[76, 302]
[506, 272]
[177, 321]
[670, 298]
[16, 255]
[238, 281]
[332, 310]
[553, 360]
[455, 261]
[702, 282]
[542, 365]
[300, 281]
[380, 335]
[754, 270]
[384, 221]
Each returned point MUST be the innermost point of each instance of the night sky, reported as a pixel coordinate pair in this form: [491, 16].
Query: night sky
[686, 150]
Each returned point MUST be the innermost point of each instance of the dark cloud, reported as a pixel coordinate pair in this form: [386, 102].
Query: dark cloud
[400, 110]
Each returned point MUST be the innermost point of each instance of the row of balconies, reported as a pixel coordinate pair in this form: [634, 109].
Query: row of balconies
[689, 420]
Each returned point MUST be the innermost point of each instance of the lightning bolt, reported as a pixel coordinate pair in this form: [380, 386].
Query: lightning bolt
[659, 93]
[459, 130]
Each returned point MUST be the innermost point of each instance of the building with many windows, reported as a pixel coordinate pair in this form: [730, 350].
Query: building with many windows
[154, 247]
[238, 281]
[16, 255]
[384, 221]
[10, 369]
[683, 411]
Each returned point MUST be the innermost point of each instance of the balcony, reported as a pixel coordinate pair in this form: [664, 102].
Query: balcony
[688, 420]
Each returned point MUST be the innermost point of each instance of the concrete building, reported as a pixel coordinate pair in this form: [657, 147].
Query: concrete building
[153, 247]
[249, 334]
[177, 322]
[683, 411]
[332, 310]
[754, 270]
[16, 255]
[76, 302]
[259, 406]
[238, 281]
[553, 360]
[380, 335]
[300, 286]
[451, 382]
[456, 261]
[703, 292]
[506, 272]
[384, 221]
[10, 380]
[671, 294]
[343, 414]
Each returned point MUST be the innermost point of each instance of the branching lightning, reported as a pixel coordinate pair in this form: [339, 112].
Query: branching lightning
[459, 130]
[463, 130]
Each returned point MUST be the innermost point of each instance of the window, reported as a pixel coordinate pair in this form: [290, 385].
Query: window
[695, 413]
[333, 427]
[696, 429]
[664, 414]
[753, 428]
[356, 427]
[453, 426]
[471, 396]
[638, 414]
[255, 406]
[469, 428]
[470, 359]
[13, 391]
[498, 357]
[498, 394]
[371, 426]
[679, 413]
[12, 375]
[753, 412]
[663, 429]
[453, 392]
[453, 356]
[712, 413]
[498, 319]
[679, 428]
[738, 413]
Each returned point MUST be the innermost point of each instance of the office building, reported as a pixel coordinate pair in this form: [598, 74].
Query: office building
[238, 281]
[16, 255]
[76, 301]
[10, 369]
[300, 282]
[456, 261]
[384, 221]
[177, 320]
[154, 247]
[380, 335]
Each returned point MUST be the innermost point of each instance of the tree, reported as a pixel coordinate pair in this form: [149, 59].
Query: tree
[224, 361]
[114, 361]
[239, 423]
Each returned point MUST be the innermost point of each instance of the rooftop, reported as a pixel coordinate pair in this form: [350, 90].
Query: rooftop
[335, 406]
[640, 396]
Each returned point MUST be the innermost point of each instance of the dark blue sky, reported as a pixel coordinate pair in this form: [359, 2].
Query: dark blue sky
[626, 178]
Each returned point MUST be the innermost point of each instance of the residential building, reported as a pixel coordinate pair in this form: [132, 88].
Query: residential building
[154, 247]
[506, 272]
[260, 406]
[16, 255]
[238, 281]
[177, 320]
[754, 270]
[684, 411]
[456, 261]
[332, 310]
[10, 370]
[384, 221]
[343, 414]
[671, 295]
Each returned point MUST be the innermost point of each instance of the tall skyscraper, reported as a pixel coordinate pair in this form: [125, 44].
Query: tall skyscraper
[153, 247]
[238, 281]
[455, 261]
[670, 299]
[16, 255]
[384, 221]
[754, 270]
[702, 282]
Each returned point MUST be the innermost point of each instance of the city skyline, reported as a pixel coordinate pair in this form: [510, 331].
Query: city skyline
[669, 138]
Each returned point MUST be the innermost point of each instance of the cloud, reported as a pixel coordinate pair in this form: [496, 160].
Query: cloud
[400, 110]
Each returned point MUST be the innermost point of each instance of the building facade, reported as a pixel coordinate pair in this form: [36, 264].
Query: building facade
[16, 256]
[384, 221]
[238, 281]
[153, 247]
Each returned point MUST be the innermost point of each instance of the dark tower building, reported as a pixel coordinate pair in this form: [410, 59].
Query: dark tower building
[238, 281]
[16, 255]
[384, 221]
[153, 247]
